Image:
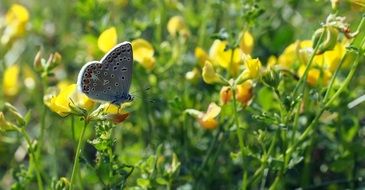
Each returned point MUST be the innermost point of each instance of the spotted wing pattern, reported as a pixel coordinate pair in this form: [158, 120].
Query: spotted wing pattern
[110, 79]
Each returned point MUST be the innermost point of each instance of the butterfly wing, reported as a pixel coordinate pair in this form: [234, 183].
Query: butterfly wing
[121, 61]
[92, 83]
[110, 79]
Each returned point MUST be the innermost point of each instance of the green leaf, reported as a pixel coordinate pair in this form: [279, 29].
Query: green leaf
[265, 98]
[144, 183]
[162, 181]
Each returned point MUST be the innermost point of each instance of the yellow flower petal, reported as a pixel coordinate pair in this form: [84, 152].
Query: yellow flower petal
[143, 53]
[10, 80]
[17, 13]
[253, 66]
[107, 39]
[212, 112]
[209, 74]
[272, 61]
[67, 96]
[113, 109]
[247, 42]
[176, 25]
[201, 55]
[332, 58]
[229, 59]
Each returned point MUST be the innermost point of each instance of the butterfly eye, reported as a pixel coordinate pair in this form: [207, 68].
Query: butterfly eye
[116, 84]
[112, 75]
[115, 67]
[123, 78]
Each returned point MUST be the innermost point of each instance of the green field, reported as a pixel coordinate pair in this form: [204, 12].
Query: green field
[235, 94]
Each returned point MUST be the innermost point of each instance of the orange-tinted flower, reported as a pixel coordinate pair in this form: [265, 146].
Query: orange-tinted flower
[206, 119]
[244, 92]
[225, 94]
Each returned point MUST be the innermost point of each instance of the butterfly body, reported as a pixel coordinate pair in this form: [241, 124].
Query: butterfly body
[110, 78]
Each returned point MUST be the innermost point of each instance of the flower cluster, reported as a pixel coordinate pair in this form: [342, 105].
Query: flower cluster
[243, 70]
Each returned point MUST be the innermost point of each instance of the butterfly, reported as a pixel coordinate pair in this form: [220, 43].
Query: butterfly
[110, 78]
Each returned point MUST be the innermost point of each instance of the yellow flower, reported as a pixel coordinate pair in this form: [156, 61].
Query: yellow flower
[67, 96]
[272, 61]
[201, 55]
[315, 75]
[229, 59]
[206, 119]
[225, 94]
[333, 57]
[15, 20]
[244, 92]
[143, 53]
[17, 14]
[209, 74]
[176, 25]
[247, 42]
[11, 80]
[107, 39]
[252, 70]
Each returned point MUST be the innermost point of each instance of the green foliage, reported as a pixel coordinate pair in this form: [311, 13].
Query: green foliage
[292, 119]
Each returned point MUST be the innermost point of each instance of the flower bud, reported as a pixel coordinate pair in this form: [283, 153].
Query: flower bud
[271, 78]
[38, 61]
[225, 94]
[19, 118]
[329, 39]
[6, 125]
[244, 92]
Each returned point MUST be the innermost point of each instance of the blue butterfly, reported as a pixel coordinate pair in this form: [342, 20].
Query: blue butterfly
[110, 78]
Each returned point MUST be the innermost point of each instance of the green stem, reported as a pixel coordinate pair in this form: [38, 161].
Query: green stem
[309, 64]
[318, 115]
[240, 137]
[32, 158]
[78, 150]
[265, 158]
